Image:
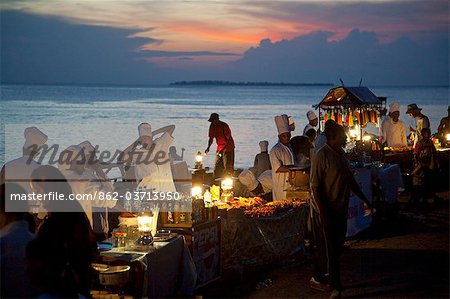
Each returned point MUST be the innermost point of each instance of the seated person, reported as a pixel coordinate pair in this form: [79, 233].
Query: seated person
[262, 160]
[257, 187]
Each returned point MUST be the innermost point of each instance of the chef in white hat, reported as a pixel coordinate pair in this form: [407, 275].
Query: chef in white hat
[257, 186]
[19, 170]
[150, 158]
[262, 160]
[280, 158]
[393, 130]
[313, 121]
[72, 164]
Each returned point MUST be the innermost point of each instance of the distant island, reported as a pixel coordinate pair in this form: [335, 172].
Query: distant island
[230, 83]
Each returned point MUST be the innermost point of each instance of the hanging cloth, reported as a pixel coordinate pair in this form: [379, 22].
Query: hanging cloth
[350, 119]
[366, 117]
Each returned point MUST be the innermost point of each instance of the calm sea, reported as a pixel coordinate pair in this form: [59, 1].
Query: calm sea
[109, 116]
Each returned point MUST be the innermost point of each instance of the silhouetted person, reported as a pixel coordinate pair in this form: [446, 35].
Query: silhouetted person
[425, 166]
[311, 134]
[61, 255]
[444, 127]
[301, 148]
[331, 183]
[422, 121]
[220, 130]
[14, 237]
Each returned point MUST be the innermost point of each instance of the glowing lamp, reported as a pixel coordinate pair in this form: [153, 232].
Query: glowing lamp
[145, 227]
[353, 133]
[197, 192]
[199, 157]
[367, 138]
[227, 184]
[447, 137]
[198, 160]
[145, 223]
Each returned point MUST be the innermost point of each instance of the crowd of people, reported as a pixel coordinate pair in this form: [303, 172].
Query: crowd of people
[51, 254]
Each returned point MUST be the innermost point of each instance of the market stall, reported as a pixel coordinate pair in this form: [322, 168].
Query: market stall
[352, 107]
[256, 233]
[164, 269]
[374, 166]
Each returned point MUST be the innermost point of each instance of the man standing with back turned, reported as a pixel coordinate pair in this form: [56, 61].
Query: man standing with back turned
[225, 146]
[331, 183]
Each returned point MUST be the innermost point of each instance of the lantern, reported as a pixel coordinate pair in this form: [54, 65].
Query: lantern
[197, 192]
[227, 189]
[199, 160]
[145, 227]
[227, 184]
[145, 222]
[367, 137]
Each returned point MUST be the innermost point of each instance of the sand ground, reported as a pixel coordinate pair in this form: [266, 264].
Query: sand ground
[406, 255]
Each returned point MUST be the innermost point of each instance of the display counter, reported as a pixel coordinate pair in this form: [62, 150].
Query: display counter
[165, 269]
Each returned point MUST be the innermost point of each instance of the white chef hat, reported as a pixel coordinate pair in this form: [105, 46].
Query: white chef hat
[34, 136]
[264, 145]
[69, 155]
[145, 130]
[282, 124]
[247, 178]
[394, 107]
[291, 121]
[311, 115]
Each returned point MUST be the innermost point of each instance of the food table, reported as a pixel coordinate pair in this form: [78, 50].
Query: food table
[403, 156]
[253, 236]
[165, 269]
[390, 182]
[356, 220]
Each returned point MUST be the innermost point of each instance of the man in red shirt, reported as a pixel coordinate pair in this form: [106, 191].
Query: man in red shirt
[225, 146]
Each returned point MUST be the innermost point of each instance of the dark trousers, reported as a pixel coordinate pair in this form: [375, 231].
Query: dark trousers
[224, 164]
[328, 244]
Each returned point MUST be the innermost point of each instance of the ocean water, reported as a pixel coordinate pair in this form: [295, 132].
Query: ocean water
[109, 116]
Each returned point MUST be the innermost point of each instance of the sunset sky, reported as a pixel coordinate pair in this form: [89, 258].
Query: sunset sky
[208, 39]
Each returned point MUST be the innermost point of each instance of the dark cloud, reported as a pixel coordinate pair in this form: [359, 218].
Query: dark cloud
[39, 49]
[418, 18]
[312, 58]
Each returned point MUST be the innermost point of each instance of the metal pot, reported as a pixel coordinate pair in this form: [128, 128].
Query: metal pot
[115, 276]
[299, 178]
